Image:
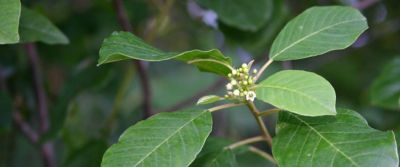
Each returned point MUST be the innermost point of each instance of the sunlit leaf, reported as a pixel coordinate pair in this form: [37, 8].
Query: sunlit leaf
[10, 11]
[318, 30]
[300, 92]
[336, 141]
[36, 27]
[124, 45]
[385, 91]
[166, 139]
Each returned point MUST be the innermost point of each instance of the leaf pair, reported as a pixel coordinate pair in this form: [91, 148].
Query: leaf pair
[175, 139]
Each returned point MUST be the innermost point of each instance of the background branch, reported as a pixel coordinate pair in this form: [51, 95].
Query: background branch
[142, 70]
[41, 98]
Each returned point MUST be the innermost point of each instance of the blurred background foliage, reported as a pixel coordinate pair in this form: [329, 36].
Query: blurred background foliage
[82, 96]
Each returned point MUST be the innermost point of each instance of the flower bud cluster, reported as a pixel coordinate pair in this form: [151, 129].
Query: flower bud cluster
[241, 83]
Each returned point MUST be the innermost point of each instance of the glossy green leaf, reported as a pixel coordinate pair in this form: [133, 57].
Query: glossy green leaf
[385, 90]
[35, 27]
[10, 11]
[335, 141]
[243, 14]
[166, 139]
[124, 45]
[300, 92]
[318, 30]
[6, 109]
[209, 99]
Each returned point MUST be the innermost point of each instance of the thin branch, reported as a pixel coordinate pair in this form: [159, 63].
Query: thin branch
[267, 112]
[262, 69]
[122, 16]
[41, 98]
[215, 86]
[142, 70]
[225, 106]
[46, 149]
[260, 122]
[246, 141]
[25, 128]
[48, 154]
[263, 154]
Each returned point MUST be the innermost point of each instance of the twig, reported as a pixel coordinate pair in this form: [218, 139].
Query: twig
[262, 69]
[267, 112]
[263, 154]
[46, 149]
[219, 83]
[41, 98]
[48, 154]
[246, 141]
[225, 106]
[260, 122]
[144, 79]
[25, 128]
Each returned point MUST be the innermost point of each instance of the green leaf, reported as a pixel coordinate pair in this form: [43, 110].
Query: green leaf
[166, 139]
[318, 30]
[385, 90]
[35, 27]
[6, 109]
[300, 92]
[344, 140]
[209, 99]
[124, 45]
[243, 14]
[10, 11]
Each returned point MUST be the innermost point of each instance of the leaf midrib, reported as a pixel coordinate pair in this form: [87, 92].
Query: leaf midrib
[311, 34]
[298, 92]
[329, 142]
[174, 133]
